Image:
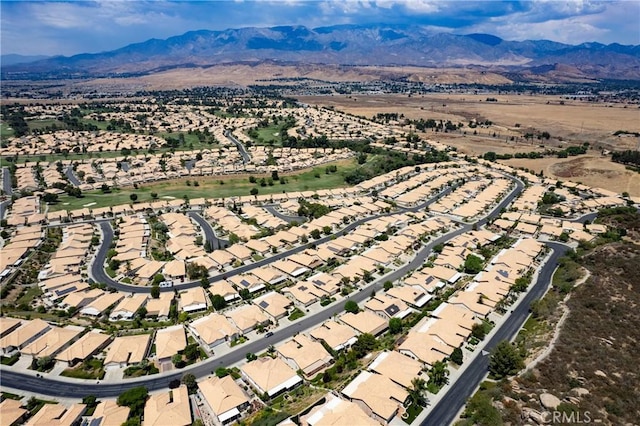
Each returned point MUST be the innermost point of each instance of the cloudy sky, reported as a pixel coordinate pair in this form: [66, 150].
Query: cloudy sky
[71, 27]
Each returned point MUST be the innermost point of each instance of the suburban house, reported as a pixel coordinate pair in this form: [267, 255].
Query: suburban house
[337, 335]
[270, 376]
[168, 408]
[304, 354]
[337, 412]
[224, 398]
[377, 395]
[127, 350]
[213, 330]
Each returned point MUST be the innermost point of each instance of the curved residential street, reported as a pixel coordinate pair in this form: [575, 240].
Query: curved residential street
[73, 388]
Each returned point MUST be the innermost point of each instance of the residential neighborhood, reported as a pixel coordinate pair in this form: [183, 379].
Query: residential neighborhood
[362, 298]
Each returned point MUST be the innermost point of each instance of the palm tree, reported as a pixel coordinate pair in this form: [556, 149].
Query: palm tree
[416, 392]
[438, 375]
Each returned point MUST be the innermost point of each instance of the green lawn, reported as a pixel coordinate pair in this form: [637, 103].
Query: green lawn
[269, 135]
[33, 292]
[5, 131]
[412, 412]
[296, 314]
[211, 188]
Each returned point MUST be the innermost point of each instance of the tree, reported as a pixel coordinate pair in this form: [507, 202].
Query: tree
[439, 374]
[457, 356]
[90, 401]
[218, 302]
[154, 195]
[352, 307]
[254, 191]
[388, 285]
[177, 361]
[157, 279]
[490, 156]
[478, 331]
[395, 325]
[155, 292]
[135, 399]
[366, 343]
[315, 234]
[473, 264]
[133, 197]
[416, 391]
[49, 197]
[505, 360]
[189, 380]
[192, 351]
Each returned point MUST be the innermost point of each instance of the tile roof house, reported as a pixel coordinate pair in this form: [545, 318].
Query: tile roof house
[57, 415]
[274, 304]
[247, 317]
[305, 354]
[337, 335]
[169, 341]
[224, 397]
[213, 330]
[377, 395]
[27, 333]
[337, 412]
[270, 376]
[168, 408]
[127, 350]
[365, 322]
[87, 345]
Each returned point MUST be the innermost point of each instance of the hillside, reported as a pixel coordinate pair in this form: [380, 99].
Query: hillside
[379, 45]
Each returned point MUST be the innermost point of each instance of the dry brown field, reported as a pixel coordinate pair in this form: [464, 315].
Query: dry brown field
[589, 169]
[574, 121]
[571, 123]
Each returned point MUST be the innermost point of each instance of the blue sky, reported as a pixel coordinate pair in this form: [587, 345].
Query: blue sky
[71, 27]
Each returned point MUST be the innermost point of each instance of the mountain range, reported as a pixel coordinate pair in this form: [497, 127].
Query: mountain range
[348, 45]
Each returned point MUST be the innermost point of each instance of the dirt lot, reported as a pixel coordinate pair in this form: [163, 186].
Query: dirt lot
[589, 169]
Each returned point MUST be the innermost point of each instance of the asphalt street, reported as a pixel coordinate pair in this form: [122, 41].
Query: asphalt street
[449, 406]
[79, 388]
[72, 177]
[209, 233]
[6, 181]
[241, 149]
[289, 219]
[98, 273]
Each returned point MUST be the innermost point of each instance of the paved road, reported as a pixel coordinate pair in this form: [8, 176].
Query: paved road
[289, 219]
[449, 406]
[98, 273]
[209, 234]
[246, 158]
[79, 389]
[72, 177]
[6, 181]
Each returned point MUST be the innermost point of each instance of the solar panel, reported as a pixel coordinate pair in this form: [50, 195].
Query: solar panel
[263, 304]
[245, 283]
[392, 310]
[303, 288]
[66, 291]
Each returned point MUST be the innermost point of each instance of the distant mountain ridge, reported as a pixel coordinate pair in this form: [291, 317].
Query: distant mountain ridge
[376, 45]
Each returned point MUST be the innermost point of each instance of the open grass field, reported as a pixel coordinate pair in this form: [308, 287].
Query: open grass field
[213, 187]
